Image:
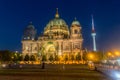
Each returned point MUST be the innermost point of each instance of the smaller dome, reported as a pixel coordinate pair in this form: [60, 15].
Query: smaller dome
[29, 32]
[75, 22]
[30, 26]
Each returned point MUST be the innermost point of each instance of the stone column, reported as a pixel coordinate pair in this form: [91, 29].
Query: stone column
[23, 47]
[72, 47]
[59, 50]
[31, 49]
[37, 44]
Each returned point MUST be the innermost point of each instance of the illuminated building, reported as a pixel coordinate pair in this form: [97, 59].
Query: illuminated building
[57, 39]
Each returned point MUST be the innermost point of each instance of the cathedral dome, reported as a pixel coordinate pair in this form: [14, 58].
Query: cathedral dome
[29, 32]
[56, 25]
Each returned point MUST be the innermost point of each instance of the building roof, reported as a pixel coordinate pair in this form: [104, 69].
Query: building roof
[75, 22]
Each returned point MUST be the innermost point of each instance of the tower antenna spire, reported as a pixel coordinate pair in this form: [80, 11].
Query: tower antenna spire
[93, 34]
[93, 29]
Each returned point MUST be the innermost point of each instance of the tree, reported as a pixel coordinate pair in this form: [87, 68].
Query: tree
[56, 58]
[72, 57]
[44, 58]
[94, 56]
[15, 57]
[99, 56]
[27, 58]
[20, 57]
[5, 55]
[78, 57]
[66, 58]
[84, 56]
[32, 58]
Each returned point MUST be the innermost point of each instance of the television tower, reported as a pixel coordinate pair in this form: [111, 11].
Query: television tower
[93, 35]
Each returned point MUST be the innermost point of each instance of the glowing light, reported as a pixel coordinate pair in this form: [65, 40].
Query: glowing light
[117, 53]
[91, 56]
[109, 54]
[4, 65]
[116, 74]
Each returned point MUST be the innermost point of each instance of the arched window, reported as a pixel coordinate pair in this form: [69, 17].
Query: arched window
[35, 48]
[75, 31]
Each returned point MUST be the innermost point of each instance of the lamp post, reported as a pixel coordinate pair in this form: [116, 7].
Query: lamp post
[90, 56]
[109, 55]
[117, 54]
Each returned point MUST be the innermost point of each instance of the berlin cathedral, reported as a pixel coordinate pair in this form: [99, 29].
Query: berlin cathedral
[57, 39]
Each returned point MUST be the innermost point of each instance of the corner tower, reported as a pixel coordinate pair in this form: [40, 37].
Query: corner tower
[29, 45]
[76, 38]
[93, 35]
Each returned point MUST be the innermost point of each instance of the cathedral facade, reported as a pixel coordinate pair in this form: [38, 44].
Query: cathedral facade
[57, 39]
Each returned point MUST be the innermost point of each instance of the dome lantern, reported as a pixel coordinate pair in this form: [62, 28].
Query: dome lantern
[57, 14]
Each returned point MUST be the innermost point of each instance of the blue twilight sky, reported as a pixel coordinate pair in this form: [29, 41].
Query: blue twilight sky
[16, 14]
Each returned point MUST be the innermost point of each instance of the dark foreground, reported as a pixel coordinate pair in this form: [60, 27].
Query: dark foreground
[52, 72]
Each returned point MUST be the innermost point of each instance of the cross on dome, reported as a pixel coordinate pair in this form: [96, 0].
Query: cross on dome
[57, 14]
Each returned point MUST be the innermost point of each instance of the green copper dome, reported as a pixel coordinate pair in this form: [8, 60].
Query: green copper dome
[75, 22]
[56, 25]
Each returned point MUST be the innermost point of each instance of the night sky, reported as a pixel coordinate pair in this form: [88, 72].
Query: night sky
[15, 15]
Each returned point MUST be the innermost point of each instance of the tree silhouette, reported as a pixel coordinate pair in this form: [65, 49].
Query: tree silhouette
[56, 58]
[32, 58]
[27, 58]
[20, 58]
[72, 57]
[78, 57]
[44, 58]
[51, 58]
[6, 55]
[66, 58]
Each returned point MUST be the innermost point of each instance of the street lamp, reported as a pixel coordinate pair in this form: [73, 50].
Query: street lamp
[117, 53]
[90, 56]
[109, 54]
